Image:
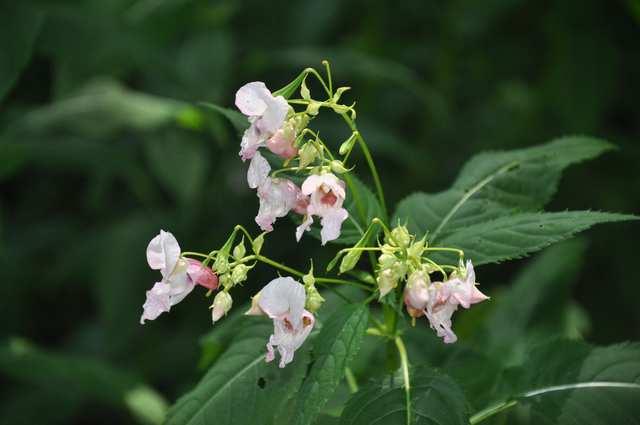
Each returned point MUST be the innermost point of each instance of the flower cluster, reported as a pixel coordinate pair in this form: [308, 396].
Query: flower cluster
[277, 127]
[403, 258]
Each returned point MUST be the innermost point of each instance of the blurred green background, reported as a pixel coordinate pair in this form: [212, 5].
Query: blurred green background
[99, 150]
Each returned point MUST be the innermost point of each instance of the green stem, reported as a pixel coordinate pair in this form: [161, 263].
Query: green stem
[404, 362]
[491, 410]
[370, 163]
[351, 380]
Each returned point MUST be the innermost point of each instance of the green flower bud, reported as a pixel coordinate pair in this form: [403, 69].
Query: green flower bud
[307, 154]
[257, 244]
[221, 305]
[221, 265]
[416, 249]
[386, 282]
[309, 279]
[239, 251]
[314, 300]
[313, 108]
[225, 280]
[239, 273]
[338, 167]
[387, 260]
[304, 90]
[350, 260]
[338, 93]
[400, 236]
[348, 144]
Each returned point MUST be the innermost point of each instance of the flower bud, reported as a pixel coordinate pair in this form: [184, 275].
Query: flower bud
[255, 309]
[416, 293]
[348, 144]
[313, 108]
[239, 251]
[400, 236]
[257, 244]
[386, 282]
[222, 262]
[239, 273]
[350, 260]
[307, 154]
[309, 279]
[282, 142]
[338, 93]
[387, 261]
[338, 167]
[314, 300]
[416, 249]
[202, 275]
[221, 305]
[304, 90]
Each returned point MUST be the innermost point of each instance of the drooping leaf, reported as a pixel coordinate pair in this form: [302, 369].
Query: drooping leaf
[518, 235]
[564, 382]
[19, 27]
[495, 184]
[435, 400]
[241, 387]
[333, 349]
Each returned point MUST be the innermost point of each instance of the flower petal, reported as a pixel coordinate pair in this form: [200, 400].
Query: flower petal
[332, 224]
[158, 301]
[163, 253]
[250, 98]
[283, 296]
[258, 172]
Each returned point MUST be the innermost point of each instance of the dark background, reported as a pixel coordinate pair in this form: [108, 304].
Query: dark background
[96, 156]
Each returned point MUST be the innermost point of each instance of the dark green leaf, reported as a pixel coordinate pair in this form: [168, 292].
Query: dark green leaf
[241, 387]
[333, 349]
[517, 235]
[435, 399]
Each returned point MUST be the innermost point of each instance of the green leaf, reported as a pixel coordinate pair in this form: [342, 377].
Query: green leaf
[435, 399]
[78, 381]
[19, 27]
[288, 90]
[238, 120]
[565, 382]
[517, 235]
[333, 349]
[495, 184]
[534, 304]
[241, 385]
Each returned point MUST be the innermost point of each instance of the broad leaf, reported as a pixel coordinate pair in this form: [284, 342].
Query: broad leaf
[566, 382]
[19, 27]
[495, 184]
[241, 387]
[333, 349]
[435, 399]
[515, 236]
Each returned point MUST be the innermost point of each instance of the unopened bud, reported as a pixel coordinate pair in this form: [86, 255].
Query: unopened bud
[255, 309]
[304, 90]
[307, 154]
[338, 93]
[386, 282]
[239, 251]
[400, 236]
[348, 144]
[221, 265]
[416, 293]
[314, 299]
[350, 260]
[387, 261]
[239, 273]
[221, 305]
[309, 279]
[257, 244]
[416, 249]
[338, 167]
[313, 108]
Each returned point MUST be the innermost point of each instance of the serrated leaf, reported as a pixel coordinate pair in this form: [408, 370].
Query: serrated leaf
[495, 184]
[518, 235]
[241, 386]
[435, 399]
[333, 348]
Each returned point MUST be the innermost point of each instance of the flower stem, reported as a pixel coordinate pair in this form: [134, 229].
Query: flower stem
[491, 410]
[351, 380]
[404, 362]
[370, 163]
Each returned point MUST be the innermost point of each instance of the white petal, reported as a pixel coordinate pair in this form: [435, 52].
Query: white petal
[163, 253]
[158, 301]
[273, 117]
[304, 227]
[277, 198]
[259, 169]
[332, 223]
[252, 140]
[250, 98]
[180, 283]
[283, 296]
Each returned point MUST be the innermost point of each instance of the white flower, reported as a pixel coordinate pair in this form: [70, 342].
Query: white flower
[326, 195]
[277, 197]
[283, 300]
[179, 276]
[266, 114]
[258, 172]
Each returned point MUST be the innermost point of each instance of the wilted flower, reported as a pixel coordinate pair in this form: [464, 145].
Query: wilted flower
[179, 276]
[221, 305]
[326, 195]
[283, 300]
[266, 114]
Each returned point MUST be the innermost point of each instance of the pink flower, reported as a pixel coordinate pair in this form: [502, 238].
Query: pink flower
[416, 293]
[277, 197]
[283, 300]
[326, 195]
[281, 143]
[464, 291]
[179, 276]
[266, 114]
